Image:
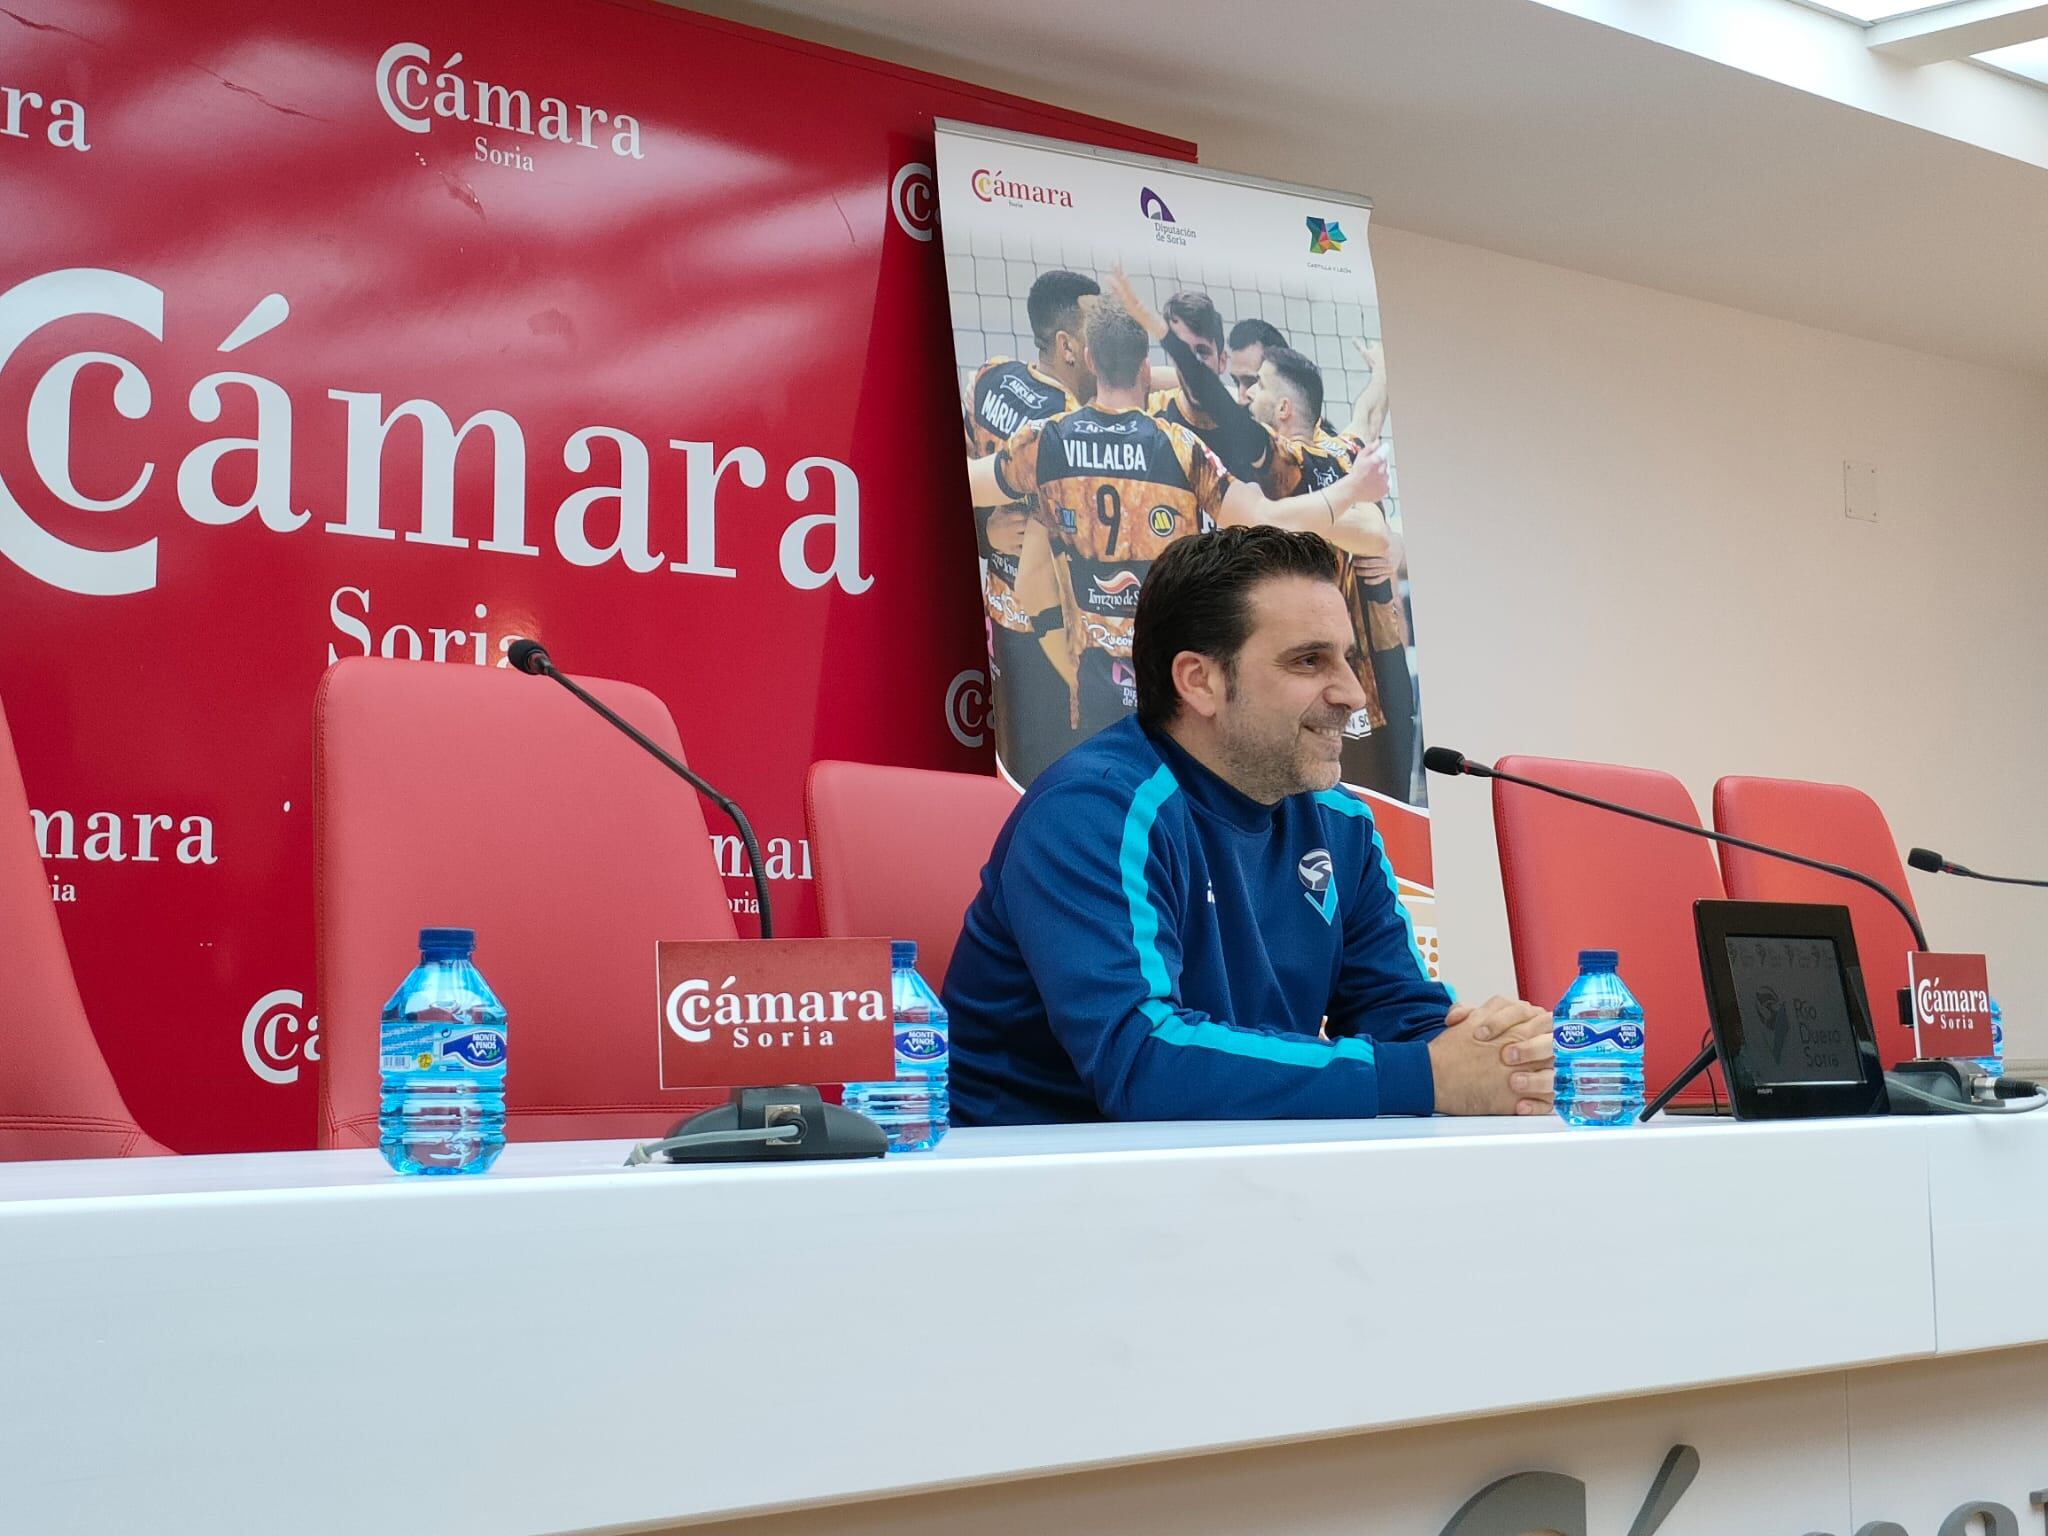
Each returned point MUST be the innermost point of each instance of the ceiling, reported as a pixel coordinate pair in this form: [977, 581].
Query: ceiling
[1525, 129]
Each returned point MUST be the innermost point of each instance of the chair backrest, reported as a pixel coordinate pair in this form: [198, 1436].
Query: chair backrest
[898, 852]
[1843, 826]
[487, 799]
[1578, 878]
[57, 1097]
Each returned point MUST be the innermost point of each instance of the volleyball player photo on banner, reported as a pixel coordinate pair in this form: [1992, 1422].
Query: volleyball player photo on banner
[1242, 317]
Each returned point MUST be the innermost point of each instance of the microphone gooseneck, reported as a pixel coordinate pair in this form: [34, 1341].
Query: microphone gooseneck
[1934, 864]
[530, 657]
[1842, 871]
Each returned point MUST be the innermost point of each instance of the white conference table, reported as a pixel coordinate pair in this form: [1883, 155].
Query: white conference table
[306, 1343]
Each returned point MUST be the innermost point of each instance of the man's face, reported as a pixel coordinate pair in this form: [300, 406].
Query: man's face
[1244, 363]
[1281, 726]
[1270, 403]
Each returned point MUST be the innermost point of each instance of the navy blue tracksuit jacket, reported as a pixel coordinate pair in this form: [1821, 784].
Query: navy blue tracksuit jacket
[1150, 944]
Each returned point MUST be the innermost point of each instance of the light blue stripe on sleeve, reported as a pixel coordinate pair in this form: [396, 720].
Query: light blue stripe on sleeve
[1351, 805]
[1343, 804]
[1288, 1050]
[1167, 1025]
[1131, 857]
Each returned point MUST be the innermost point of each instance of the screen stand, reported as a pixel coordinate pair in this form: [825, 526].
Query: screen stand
[1676, 1086]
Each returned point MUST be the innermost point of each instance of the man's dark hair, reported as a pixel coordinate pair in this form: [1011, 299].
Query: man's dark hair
[1256, 333]
[1196, 311]
[1198, 597]
[1054, 304]
[1301, 375]
[1117, 343]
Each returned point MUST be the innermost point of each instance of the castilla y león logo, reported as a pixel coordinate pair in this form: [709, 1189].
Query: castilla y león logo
[1324, 235]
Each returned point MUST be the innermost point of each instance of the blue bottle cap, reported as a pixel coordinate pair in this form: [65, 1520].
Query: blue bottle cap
[1599, 959]
[902, 954]
[446, 941]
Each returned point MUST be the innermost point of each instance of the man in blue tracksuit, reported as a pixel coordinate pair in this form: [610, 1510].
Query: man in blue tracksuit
[1186, 918]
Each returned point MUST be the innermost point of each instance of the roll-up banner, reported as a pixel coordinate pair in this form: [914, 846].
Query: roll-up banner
[404, 330]
[1265, 293]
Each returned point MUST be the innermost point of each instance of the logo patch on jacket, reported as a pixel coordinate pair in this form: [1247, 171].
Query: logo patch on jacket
[1319, 883]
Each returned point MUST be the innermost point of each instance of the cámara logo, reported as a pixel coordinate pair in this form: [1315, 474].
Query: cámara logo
[413, 97]
[991, 185]
[967, 707]
[695, 1006]
[118, 837]
[275, 1039]
[601, 522]
[1551, 1501]
[1951, 1004]
[818, 1008]
[57, 121]
[1933, 1000]
[1555, 1502]
[913, 198]
[1324, 235]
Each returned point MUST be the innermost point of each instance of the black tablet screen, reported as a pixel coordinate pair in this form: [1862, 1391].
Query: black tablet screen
[1795, 1011]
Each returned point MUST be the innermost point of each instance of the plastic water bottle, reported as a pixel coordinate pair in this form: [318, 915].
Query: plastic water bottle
[912, 1109]
[1994, 1064]
[443, 1058]
[1597, 1033]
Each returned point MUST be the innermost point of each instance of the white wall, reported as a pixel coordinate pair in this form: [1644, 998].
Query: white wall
[1624, 516]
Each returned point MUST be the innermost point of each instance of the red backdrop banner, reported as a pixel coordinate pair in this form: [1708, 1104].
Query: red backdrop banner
[404, 330]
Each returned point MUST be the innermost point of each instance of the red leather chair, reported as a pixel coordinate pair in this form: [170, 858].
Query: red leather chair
[487, 799]
[1843, 826]
[1577, 878]
[898, 852]
[57, 1098]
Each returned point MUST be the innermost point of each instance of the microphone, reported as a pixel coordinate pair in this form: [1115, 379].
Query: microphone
[529, 657]
[1443, 760]
[1934, 864]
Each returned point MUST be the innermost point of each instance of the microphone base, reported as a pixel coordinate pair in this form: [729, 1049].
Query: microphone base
[827, 1130]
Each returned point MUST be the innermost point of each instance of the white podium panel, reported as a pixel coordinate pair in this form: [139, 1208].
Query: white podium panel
[1773, 1461]
[1934, 1438]
[306, 1342]
[1988, 1183]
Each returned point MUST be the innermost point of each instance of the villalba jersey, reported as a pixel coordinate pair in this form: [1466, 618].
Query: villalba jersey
[1114, 488]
